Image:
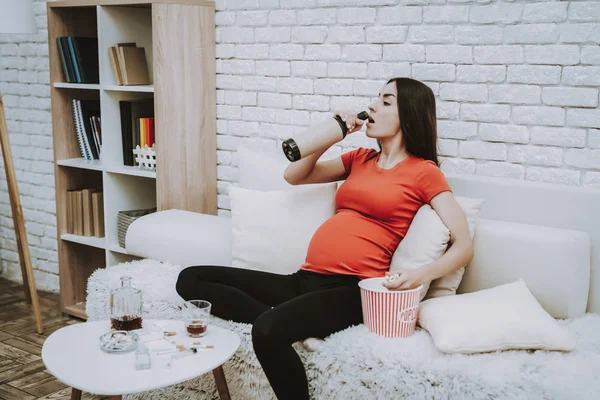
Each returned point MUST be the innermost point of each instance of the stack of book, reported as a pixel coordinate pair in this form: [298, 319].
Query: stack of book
[129, 64]
[137, 127]
[79, 58]
[85, 212]
[86, 117]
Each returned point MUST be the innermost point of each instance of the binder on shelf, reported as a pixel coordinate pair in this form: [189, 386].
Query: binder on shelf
[89, 109]
[79, 58]
[86, 117]
[65, 59]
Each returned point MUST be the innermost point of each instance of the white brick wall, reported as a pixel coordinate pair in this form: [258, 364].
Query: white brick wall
[24, 81]
[516, 85]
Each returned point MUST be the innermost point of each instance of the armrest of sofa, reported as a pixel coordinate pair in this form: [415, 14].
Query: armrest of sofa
[181, 238]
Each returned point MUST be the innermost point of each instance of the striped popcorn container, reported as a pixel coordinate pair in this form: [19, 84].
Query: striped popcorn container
[389, 313]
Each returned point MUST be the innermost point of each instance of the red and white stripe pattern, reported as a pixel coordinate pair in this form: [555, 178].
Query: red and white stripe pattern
[390, 314]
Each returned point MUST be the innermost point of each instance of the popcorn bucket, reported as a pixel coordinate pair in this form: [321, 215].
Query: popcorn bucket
[389, 313]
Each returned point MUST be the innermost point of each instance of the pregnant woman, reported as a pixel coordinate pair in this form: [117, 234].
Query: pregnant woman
[382, 192]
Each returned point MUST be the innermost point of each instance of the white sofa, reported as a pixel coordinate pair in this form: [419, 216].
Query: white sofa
[549, 235]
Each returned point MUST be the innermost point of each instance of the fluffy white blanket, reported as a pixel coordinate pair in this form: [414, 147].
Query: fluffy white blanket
[357, 364]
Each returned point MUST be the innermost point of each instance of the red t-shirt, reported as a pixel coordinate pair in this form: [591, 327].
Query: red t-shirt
[374, 208]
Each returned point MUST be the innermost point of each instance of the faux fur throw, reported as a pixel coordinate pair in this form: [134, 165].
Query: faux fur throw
[357, 364]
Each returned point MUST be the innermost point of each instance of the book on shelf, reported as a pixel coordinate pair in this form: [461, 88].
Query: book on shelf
[86, 117]
[98, 213]
[137, 126]
[85, 212]
[128, 63]
[79, 58]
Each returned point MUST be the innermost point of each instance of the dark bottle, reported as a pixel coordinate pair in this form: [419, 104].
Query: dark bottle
[308, 142]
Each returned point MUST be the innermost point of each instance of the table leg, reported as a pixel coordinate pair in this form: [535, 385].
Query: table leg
[76, 395]
[221, 383]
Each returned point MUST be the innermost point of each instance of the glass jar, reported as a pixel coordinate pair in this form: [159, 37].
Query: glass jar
[126, 307]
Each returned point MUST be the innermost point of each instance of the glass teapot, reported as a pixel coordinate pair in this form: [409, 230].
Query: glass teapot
[126, 307]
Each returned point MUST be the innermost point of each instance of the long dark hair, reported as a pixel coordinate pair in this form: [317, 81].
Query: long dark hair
[418, 120]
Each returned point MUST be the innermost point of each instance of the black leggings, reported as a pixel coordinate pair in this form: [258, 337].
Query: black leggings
[283, 309]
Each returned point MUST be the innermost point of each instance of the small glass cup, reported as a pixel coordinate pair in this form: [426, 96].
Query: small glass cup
[196, 314]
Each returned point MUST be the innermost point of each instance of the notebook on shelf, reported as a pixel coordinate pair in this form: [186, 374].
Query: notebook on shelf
[86, 117]
[79, 58]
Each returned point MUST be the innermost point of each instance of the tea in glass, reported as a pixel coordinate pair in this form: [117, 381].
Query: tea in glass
[196, 315]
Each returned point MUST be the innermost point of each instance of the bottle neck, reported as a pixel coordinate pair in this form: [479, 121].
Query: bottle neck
[126, 281]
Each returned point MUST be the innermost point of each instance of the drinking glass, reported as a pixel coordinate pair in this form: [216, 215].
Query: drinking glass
[196, 315]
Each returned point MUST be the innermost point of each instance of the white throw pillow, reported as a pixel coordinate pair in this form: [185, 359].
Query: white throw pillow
[271, 230]
[427, 239]
[500, 318]
[447, 285]
[262, 169]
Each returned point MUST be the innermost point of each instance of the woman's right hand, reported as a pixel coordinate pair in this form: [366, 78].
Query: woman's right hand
[353, 123]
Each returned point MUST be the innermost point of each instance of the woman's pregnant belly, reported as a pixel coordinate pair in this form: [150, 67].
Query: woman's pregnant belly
[350, 243]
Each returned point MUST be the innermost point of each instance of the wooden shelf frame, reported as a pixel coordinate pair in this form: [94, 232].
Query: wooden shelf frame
[184, 92]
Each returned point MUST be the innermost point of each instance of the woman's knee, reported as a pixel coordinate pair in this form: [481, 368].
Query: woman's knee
[189, 278]
[185, 281]
[264, 329]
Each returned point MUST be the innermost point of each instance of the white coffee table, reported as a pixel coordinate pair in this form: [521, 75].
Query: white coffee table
[73, 355]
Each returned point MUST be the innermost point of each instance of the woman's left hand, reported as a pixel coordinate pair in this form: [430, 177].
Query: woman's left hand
[407, 279]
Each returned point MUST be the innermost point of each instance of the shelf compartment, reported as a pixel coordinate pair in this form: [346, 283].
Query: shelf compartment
[131, 171]
[123, 24]
[93, 241]
[111, 126]
[68, 21]
[66, 145]
[78, 263]
[95, 165]
[130, 88]
[82, 86]
[123, 193]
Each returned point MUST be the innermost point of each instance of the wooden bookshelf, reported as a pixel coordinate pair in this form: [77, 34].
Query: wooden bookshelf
[179, 40]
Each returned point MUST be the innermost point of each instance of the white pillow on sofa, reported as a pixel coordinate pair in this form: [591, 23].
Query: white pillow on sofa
[262, 169]
[500, 318]
[447, 285]
[427, 239]
[271, 230]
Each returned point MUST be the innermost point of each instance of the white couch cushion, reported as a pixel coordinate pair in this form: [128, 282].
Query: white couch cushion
[272, 229]
[262, 169]
[501, 318]
[544, 204]
[181, 237]
[555, 263]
